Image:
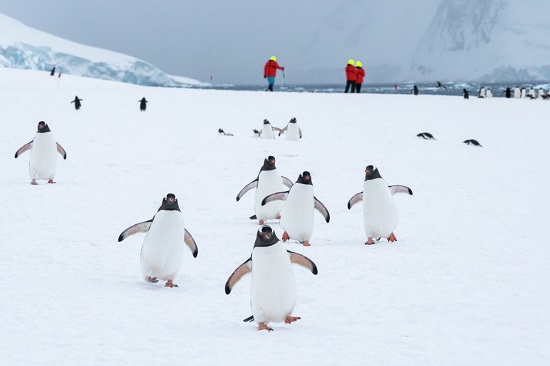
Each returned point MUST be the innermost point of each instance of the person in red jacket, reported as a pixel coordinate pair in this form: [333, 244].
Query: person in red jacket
[360, 76]
[351, 76]
[270, 71]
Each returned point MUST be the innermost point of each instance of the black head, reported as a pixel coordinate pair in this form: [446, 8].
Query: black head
[265, 237]
[220, 130]
[170, 203]
[293, 120]
[266, 122]
[269, 163]
[304, 178]
[371, 172]
[43, 127]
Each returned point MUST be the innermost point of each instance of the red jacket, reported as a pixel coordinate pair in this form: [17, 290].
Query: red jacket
[270, 68]
[360, 75]
[351, 73]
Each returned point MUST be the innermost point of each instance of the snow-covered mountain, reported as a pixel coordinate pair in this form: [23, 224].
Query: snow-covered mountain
[23, 47]
[490, 40]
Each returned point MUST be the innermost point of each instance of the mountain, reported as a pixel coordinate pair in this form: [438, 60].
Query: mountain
[23, 47]
[490, 40]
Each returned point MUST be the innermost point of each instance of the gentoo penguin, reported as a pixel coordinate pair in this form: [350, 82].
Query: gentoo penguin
[540, 93]
[44, 149]
[414, 90]
[508, 92]
[531, 93]
[517, 92]
[268, 181]
[221, 132]
[256, 133]
[267, 130]
[297, 211]
[482, 92]
[426, 136]
[143, 104]
[76, 102]
[523, 91]
[293, 131]
[379, 210]
[52, 73]
[466, 94]
[489, 93]
[473, 142]
[273, 286]
[440, 85]
[162, 249]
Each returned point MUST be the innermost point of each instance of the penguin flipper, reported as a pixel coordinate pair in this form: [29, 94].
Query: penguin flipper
[287, 182]
[137, 228]
[23, 148]
[247, 188]
[356, 198]
[275, 197]
[237, 274]
[303, 261]
[191, 243]
[321, 208]
[300, 130]
[61, 151]
[400, 189]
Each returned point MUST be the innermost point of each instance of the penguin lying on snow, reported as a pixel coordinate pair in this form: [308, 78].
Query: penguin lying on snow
[43, 160]
[293, 131]
[473, 142]
[297, 211]
[223, 133]
[162, 249]
[379, 210]
[426, 136]
[268, 181]
[267, 130]
[273, 290]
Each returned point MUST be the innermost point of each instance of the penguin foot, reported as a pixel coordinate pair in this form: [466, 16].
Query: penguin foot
[50, 181]
[369, 242]
[261, 222]
[285, 236]
[151, 279]
[306, 243]
[291, 319]
[169, 283]
[392, 237]
[34, 182]
[263, 326]
[278, 217]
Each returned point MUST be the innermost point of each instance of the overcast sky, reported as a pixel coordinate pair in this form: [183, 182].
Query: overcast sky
[231, 40]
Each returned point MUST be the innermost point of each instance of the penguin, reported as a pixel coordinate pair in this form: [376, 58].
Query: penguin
[440, 85]
[43, 160]
[531, 93]
[256, 133]
[268, 181]
[473, 142]
[489, 93]
[297, 212]
[143, 104]
[517, 92]
[379, 210]
[523, 91]
[162, 250]
[294, 133]
[466, 94]
[414, 90]
[267, 130]
[221, 132]
[52, 73]
[76, 102]
[482, 92]
[540, 93]
[508, 92]
[426, 136]
[273, 289]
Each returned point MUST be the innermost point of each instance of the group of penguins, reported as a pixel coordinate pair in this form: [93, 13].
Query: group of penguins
[273, 291]
[142, 103]
[292, 129]
[429, 136]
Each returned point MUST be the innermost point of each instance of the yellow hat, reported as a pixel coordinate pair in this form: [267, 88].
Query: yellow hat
[273, 58]
[358, 64]
[351, 62]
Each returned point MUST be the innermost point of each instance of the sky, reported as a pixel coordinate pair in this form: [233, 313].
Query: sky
[230, 41]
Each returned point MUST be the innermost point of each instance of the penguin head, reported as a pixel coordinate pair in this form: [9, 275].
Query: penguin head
[266, 122]
[371, 172]
[170, 203]
[265, 237]
[304, 178]
[269, 163]
[43, 127]
[220, 130]
[292, 120]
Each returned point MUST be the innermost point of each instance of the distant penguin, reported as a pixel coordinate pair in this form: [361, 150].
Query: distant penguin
[256, 133]
[531, 93]
[221, 132]
[273, 291]
[293, 131]
[440, 85]
[426, 136]
[517, 93]
[508, 92]
[489, 93]
[472, 142]
[267, 130]
[76, 102]
[466, 94]
[482, 92]
[297, 212]
[268, 181]
[44, 149]
[52, 73]
[540, 93]
[379, 210]
[523, 92]
[162, 250]
[414, 90]
[143, 104]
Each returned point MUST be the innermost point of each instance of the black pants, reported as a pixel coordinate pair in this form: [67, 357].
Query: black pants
[348, 84]
[358, 88]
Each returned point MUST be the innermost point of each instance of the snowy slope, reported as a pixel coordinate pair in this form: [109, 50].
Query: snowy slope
[465, 284]
[26, 48]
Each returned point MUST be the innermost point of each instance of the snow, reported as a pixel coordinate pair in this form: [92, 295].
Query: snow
[465, 284]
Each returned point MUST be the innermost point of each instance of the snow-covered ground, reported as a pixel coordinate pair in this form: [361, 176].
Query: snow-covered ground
[465, 284]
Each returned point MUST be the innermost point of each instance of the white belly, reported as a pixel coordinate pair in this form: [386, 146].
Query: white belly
[293, 132]
[43, 160]
[268, 182]
[273, 286]
[267, 132]
[379, 210]
[297, 212]
[162, 249]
